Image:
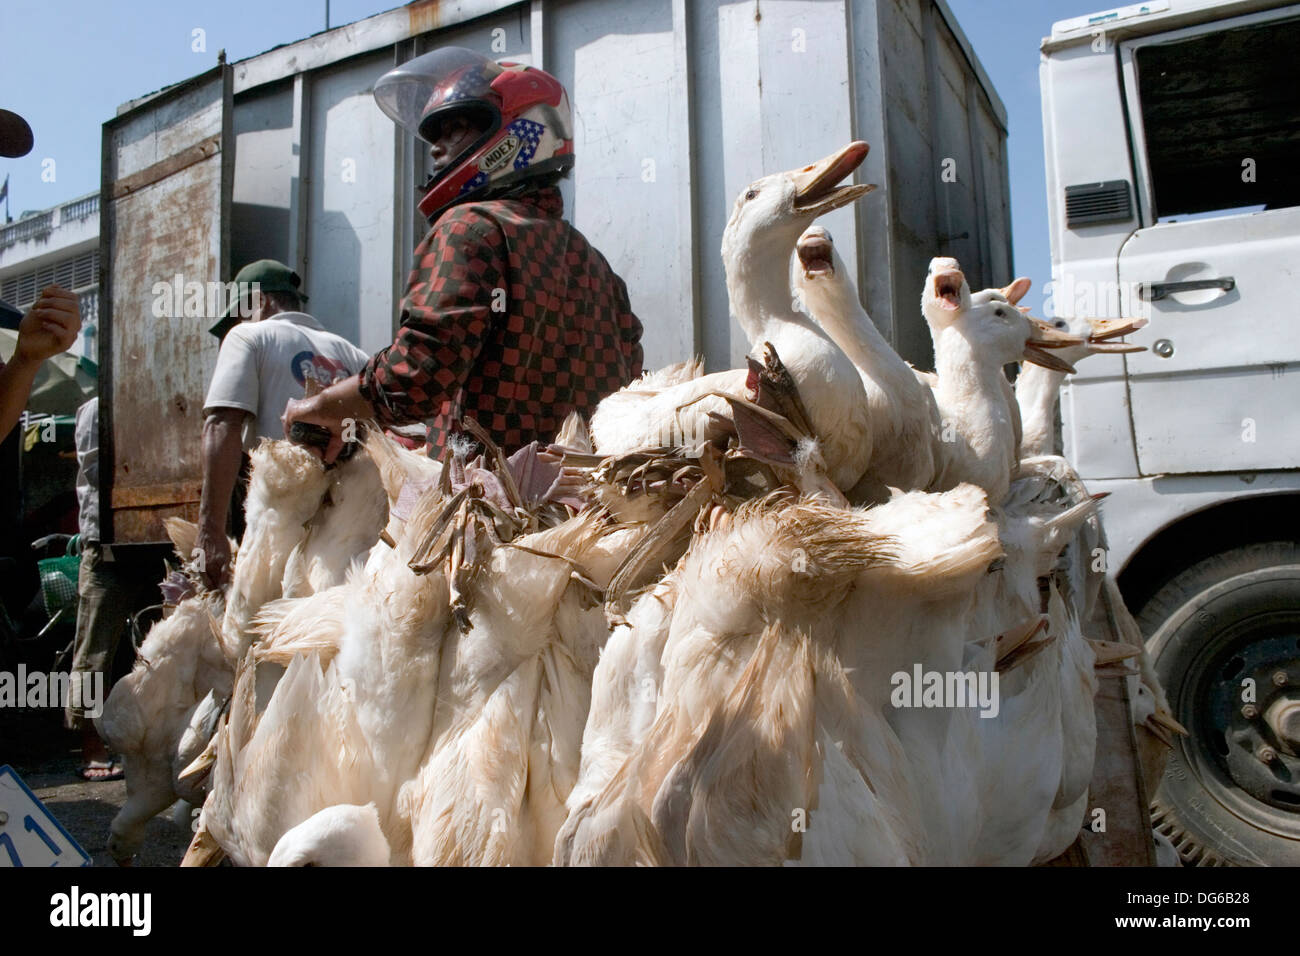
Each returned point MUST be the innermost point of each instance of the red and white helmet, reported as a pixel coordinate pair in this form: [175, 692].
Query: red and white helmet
[526, 111]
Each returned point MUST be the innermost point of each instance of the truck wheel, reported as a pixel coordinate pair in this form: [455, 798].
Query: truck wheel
[1224, 636]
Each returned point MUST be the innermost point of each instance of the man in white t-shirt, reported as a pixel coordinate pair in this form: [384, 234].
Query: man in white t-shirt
[263, 363]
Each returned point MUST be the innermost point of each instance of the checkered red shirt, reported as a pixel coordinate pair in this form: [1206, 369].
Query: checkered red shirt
[510, 318]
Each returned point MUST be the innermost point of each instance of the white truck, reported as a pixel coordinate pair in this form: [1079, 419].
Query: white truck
[1172, 138]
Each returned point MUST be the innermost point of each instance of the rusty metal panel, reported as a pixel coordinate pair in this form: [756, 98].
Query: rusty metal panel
[164, 235]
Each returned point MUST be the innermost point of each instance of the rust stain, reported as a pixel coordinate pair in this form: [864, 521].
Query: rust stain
[424, 15]
[161, 495]
[158, 234]
[146, 524]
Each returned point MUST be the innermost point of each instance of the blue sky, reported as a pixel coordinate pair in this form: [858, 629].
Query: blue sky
[68, 64]
[1005, 35]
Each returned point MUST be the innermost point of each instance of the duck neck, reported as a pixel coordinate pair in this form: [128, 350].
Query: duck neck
[760, 298]
[835, 306]
[1037, 390]
[971, 388]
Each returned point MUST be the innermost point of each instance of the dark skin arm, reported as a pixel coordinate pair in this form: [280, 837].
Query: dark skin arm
[222, 444]
[49, 327]
[343, 400]
[331, 408]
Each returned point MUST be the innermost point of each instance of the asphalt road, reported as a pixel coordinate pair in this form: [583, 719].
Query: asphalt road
[34, 743]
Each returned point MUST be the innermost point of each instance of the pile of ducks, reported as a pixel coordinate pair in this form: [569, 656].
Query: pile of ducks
[714, 625]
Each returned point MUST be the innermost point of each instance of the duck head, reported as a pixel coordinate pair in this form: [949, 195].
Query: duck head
[1093, 335]
[771, 212]
[946, 296]
[815, 251]
[1005, 334]
[339, 835]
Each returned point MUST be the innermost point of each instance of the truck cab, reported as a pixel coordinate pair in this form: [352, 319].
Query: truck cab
[1172, 133]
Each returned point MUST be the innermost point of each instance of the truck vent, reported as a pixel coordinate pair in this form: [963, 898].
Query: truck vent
[1097, 202]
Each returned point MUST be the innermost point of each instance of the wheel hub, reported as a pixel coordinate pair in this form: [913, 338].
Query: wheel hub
[1258, 742]
[1283, 718]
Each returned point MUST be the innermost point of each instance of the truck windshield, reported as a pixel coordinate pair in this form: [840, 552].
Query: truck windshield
[1221, 113]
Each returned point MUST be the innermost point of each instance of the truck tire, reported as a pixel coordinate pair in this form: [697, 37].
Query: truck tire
[1231, 790]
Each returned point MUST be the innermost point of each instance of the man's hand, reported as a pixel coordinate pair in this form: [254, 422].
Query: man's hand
[308, 411]
[215, 547]
[333, 408]
[49, 327]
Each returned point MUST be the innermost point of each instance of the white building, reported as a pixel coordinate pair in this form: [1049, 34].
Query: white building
[55, 246]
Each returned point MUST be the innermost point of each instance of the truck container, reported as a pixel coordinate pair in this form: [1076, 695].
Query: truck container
[1172, 133]
[677, 106]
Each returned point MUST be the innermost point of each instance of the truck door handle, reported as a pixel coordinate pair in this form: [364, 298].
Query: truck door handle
[1158, 290]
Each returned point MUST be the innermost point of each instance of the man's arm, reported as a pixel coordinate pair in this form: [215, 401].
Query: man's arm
[222, 444]
[49, 327]
[447, 312]
[15, 385]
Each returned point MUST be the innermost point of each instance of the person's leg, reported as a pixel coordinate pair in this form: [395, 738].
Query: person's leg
[101, 622]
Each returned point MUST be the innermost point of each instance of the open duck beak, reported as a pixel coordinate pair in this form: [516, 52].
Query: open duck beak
[1043, 336]
[814, 250]
[815, 189]
[1103, 330]
[947, 289]
[1114, 347]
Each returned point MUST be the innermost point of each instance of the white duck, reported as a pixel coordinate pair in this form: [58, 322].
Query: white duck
[353, 512]
[1038, 524]
[976, 337]
[285, 490]
[946, 294]
[341, 835]
[292, 747]
[901, 410]
[512, 698]
[752, 687]
[163, 714]
[274, 770]
[358, 655]
[179, 683]
[465, 739]
[769, 693]
[765, 223]
[1038, 388]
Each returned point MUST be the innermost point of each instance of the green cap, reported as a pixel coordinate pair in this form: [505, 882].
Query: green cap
[268, 276]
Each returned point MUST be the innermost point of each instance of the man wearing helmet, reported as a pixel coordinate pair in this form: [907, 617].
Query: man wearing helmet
[510, 317]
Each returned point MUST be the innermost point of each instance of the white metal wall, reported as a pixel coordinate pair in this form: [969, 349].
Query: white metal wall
[349, 250]
[678, 105]
[266, 174]
[631, 181]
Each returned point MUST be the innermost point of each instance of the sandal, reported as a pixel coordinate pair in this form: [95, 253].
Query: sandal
[101, 771]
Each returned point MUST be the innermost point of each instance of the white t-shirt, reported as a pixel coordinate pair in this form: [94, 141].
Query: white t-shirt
[86, 437]
[264, 364]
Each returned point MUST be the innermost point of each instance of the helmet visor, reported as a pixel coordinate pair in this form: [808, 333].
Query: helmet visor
[417, 92]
